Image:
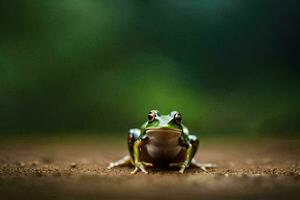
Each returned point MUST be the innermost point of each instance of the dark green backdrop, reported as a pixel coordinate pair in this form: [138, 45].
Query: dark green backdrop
[229, 66]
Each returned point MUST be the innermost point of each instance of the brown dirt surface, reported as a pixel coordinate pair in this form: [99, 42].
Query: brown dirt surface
[76, 169]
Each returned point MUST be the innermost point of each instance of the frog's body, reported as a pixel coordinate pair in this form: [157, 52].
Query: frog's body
[163, 144]
[162, 140]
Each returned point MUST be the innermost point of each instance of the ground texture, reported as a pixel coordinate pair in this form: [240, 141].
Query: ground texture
[76, 169]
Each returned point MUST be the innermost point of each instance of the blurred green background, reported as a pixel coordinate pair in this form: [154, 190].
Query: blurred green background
[231, 67]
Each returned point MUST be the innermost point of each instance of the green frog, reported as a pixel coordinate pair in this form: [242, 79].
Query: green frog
[162, 140]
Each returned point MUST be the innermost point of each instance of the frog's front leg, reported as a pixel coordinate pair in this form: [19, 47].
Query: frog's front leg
[189, 153]
[137, 162]
[134, 145]
[191, 145]
[191, 149]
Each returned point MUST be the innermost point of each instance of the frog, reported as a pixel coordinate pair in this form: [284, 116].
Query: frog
[163, 140]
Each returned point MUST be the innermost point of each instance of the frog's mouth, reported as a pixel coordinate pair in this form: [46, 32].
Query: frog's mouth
[164, 131]
[164, 136]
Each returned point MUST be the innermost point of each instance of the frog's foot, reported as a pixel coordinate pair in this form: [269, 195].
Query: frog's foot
[122, 162]
[181, 165]
[203, 166]
[140, 166]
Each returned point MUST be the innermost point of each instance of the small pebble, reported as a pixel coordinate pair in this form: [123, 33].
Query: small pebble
[20, 164]
[5, 165]
[39, 173]
[73, 165]
[35, 163]
[256, 174]
[47, 160]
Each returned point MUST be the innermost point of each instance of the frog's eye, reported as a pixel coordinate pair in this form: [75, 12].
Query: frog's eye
[178, 118]
[151, 116]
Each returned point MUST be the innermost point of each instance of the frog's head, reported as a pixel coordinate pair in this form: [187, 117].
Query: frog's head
[170, 124]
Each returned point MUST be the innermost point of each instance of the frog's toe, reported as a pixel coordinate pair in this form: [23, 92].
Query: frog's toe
[122, 162]
[182, 169]
[136, 169]
[181, 165]
[210, 165]
[148, 164]
[140, 166]
[203, 168]
[110, 166]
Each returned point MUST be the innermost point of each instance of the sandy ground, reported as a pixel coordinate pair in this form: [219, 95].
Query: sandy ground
[76, 169]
